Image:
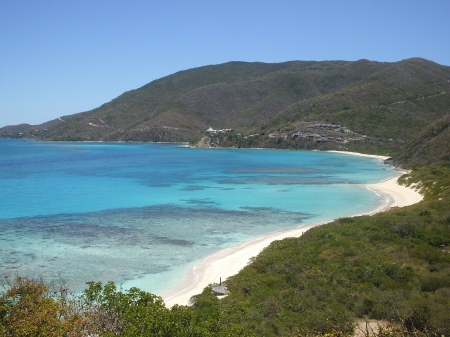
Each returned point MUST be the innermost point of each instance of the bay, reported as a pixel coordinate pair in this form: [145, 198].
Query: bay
[143, 214]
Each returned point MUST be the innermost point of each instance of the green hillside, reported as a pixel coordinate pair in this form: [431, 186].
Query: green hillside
[381, 101]
[389, 267]
[393, 266]
[395, 102]
[430, 146]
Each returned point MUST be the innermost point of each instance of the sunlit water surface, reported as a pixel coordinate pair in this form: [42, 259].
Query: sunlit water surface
[144, 214]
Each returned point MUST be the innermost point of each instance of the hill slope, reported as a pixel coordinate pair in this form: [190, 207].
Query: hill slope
[431, 146]
[393, 266]
[390, 100]
[396, 102]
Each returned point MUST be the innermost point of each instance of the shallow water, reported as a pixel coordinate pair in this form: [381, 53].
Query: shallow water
[143, 214]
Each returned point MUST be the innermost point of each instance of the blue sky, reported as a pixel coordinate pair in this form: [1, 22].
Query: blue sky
[59, 57]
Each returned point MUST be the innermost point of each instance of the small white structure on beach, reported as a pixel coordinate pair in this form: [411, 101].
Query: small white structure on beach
[218, 290]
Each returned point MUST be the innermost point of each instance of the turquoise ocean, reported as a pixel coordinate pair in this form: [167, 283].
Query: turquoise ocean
[143, 214]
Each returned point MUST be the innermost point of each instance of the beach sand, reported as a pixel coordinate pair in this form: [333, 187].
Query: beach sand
[361, 154]
[230, 261]
[399, 196]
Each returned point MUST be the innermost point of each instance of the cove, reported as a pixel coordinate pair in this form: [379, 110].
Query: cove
[143, 214]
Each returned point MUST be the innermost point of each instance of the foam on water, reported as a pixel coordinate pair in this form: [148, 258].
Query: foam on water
[143, 214]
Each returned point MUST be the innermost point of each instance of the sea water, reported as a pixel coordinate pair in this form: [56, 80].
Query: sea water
[143, 214]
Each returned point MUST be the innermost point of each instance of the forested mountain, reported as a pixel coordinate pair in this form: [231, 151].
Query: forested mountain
[381, 100]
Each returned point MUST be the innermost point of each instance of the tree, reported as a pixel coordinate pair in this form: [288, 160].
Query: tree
[29, 308]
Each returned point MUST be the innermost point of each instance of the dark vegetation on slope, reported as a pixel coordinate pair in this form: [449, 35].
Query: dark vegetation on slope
[395, 102]
[389, 102]
[392, 266]
[431, 146]
[29, 307]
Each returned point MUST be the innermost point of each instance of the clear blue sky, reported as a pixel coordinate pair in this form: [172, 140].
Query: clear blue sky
[59, 57]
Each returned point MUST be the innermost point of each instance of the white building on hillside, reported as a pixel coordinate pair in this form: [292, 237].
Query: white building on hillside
[211, 131]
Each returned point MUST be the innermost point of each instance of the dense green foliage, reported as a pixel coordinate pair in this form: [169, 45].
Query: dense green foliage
[137, 313]
[430, 146]
[392, 266]
[29, 308]
[397, 101]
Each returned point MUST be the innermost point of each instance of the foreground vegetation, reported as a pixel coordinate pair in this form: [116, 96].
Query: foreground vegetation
[29, 307]
[393, 266]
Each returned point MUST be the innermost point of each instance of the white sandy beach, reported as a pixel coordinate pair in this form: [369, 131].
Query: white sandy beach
[230, 261]
[360, 154]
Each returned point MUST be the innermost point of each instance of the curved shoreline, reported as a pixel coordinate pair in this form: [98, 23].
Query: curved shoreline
[230, 261]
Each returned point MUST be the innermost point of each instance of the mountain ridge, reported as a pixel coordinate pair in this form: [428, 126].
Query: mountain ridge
[379, 99]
